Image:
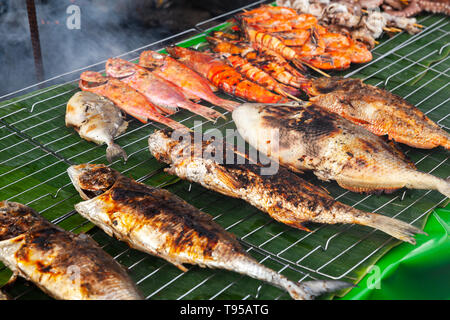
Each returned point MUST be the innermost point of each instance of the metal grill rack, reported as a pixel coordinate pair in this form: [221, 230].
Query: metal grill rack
[36, 149]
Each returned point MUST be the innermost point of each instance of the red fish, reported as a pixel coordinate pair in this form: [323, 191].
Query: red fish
[126, 98]
[159, 91]
[191, 83]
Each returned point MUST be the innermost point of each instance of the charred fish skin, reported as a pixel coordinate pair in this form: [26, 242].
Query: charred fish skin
[98, 120]
[379, 111]
[159, 223]
[285, 196]
[64, 265]
[311, 138]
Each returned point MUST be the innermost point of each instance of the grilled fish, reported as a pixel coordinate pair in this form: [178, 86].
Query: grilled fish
[191, 83]
[64, 265]
[379, 111]
[310, 138]
[285, 196]
[98, 120]
[157, 90]
[159, 223]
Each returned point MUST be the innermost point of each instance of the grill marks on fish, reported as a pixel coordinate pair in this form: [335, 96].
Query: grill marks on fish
[49, 256]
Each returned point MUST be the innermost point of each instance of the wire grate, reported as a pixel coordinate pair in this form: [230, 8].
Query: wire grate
[36, 149]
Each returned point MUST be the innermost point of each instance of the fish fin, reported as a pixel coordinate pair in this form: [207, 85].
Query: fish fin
[228, 105]
[394, 227]
[114, 151]
[227, 178]
[180, 266]
[286, 217]
[400, 154]
[367, 190]
[310, 289]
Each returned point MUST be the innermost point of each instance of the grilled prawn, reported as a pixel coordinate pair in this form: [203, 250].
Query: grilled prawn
[64, 265]
[223, 76]
[310, 138]
[285, 196]
[379, 111]
[191, 83]
[157, 90]
[159, 223]
[125, 97]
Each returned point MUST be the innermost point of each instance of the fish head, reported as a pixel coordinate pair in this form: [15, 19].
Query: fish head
[16, 219]
[163, 144]
[119, 68]
[91, 180]
[152, 60]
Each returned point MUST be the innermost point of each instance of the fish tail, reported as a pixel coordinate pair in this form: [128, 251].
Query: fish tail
[114, 151]
[226, 104]
[310, 289]
[299, 291]
[207, 113]
[394, 227]
[422, 180]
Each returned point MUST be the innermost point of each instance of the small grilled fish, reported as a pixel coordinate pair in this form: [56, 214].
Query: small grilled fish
[157, 90]
[96, 119]
[159, 223]
[310, 138]
[379, 111]
[285, 196]
[64, 265]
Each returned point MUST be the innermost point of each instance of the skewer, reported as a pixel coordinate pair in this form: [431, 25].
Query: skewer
[392, 29]
[316, 69]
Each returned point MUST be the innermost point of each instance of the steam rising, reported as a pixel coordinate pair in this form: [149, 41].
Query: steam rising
[106, 30]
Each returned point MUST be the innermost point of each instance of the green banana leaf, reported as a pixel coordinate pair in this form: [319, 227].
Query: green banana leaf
[37, 148]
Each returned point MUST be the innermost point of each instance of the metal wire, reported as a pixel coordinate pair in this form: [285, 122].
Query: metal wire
[35, 123]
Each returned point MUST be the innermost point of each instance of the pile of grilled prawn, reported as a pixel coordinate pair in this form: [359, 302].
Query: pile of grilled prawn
[285, 196]
[300, 38]
[64, 265]
[157, 222]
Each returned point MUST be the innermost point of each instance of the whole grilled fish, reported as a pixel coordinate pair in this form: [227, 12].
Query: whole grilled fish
[283, 195]
[98, 120]
[379, 111]
[191, 83]
[310, 138]
[159, 223]
[64, 265]
[159, 91]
